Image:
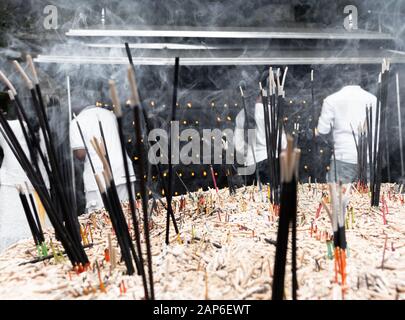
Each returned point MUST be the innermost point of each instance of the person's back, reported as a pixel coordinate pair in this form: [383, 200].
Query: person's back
[11, 172]
[89, 123]
[13, 223]
[344, 110]
[259, 143]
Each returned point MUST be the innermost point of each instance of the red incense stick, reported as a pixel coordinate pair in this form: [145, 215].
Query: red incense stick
[213, 178]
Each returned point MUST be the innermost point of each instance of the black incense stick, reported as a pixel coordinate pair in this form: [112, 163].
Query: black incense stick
[35, 212]
[380, 129]
[144, 204]
[247, 126]
[116, 213]
[288, 211]
[64, 233]
[56, 179]
[118, 113]
[170, 170]
[136, 101]
[30, 219]
[72, 248]
[185, 187]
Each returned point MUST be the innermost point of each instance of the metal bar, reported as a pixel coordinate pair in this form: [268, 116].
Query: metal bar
[212, 61]
[233, 33]
[164, 46]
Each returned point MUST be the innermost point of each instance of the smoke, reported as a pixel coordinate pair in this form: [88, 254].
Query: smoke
[212, 91]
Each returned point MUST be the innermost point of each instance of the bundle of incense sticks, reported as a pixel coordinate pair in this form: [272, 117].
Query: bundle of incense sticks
[361, 147]
[170, 213]
[112, 204]
[117, 107]
[337, 212]
[273, 128]
[129, 184]
[137, 102]
[57, 183]
[33, 220]
[289, 160]
[66, 225]
[380, 140]
[247, 126]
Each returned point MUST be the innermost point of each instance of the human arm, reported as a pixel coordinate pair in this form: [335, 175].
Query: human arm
[76, 142]
[239, 138]
[326, 120]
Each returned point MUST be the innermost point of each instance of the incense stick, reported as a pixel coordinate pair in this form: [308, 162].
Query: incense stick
[118, 113]
[170, 173]
[380, 136]
[250, 145]
[68, 235]
[289, 160]
[136, 101]
[56, 179]
[144, 204]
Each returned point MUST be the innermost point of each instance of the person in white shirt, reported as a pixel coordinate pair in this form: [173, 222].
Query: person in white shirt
[342, 111]
[256, 152]
[89, 122]
[13, 222]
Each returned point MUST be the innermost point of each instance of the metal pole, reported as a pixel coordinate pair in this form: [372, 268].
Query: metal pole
[400, 125]
[72, 165]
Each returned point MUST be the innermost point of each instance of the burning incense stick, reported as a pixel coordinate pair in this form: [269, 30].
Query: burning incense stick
[338, 205]
[185, 187]
[30, 218]
[136, 102]
[34, 210]
[213, 178]
[67, 234]
[170, 173]
[56, 179]
[116, 213]
[270, 160]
